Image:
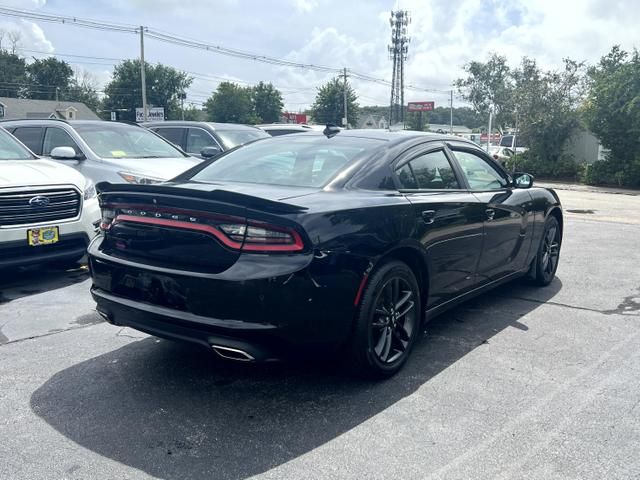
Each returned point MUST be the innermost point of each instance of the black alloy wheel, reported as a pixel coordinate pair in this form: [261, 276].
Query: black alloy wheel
[548, 253]
[388, 322]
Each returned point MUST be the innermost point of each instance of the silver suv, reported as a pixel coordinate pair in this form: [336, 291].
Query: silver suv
[104, 151]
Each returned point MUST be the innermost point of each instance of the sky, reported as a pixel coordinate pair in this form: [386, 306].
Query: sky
[445, 35]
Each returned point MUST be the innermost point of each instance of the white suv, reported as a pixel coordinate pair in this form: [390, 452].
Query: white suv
[48, 211]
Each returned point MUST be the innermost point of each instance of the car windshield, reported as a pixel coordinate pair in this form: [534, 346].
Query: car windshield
[303, 161]
[111, 140]
[11, 149]
[233, 138]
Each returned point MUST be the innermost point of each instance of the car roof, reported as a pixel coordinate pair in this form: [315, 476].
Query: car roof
[396, 136]
[189, 123]
[285, 126]
[71, 123]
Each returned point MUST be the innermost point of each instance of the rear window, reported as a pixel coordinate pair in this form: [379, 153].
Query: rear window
[305, 161]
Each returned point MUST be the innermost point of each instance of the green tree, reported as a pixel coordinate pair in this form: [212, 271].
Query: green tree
[231, 103]
[612, 112]
[191, 113]
[163, 83]
[328, 106]
[47, 77]
[267, 103]
[489, 85]
[13, 74]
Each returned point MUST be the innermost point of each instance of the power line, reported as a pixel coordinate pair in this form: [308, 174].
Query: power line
[197, 44]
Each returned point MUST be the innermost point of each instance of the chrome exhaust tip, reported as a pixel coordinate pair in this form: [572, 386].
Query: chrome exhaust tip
[232, 353]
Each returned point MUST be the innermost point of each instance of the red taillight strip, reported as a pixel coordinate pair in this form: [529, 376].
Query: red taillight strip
[183, 225]
[363, 282]
[297, 244]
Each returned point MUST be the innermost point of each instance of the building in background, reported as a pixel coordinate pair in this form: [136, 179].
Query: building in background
[374, 121]
[18, 108]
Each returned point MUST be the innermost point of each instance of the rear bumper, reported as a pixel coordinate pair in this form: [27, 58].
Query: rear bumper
[267, 316]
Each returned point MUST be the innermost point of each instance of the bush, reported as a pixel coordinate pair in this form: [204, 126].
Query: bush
[564, 168]
[614, 173]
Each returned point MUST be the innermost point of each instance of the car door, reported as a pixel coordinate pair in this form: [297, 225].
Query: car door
[448, 220]
[508, 213]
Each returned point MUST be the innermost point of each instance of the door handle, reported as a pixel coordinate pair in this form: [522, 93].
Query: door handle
[428, 216]
[491, 213]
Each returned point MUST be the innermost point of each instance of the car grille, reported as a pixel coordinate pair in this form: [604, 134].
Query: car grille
[19, 208]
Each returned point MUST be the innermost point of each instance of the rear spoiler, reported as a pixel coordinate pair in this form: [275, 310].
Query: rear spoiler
[217, 195]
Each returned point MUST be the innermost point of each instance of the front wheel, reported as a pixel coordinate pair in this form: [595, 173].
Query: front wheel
[546, 261]
[387, 322]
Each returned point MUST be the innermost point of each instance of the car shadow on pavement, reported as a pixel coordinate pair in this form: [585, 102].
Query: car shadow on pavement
[174, 411]
[21, 282]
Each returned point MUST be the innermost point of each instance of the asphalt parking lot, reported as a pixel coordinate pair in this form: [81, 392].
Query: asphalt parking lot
[521, 383]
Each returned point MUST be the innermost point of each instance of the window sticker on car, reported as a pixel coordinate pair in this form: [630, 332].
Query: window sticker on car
[118, 153]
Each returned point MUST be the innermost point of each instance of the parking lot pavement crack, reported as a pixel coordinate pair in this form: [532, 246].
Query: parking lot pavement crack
[34, 337]
[620, 310]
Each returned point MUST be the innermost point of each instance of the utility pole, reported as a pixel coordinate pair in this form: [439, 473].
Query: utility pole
[489, 131]
[514, 145]
[451, 114]
[142, 75]
[57, 94]
[345, 121]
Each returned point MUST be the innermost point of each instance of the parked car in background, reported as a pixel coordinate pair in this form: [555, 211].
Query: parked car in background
[277, 129]
[344, 243]
[509, 140]
[205, 139]
[48, 211]
[501, 154]
[104, 151]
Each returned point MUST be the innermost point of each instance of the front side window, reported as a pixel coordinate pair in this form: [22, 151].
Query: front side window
[480, 174]
[111, 140]
[10, 148]
[198, 139]
[430, 171]
[56, 137]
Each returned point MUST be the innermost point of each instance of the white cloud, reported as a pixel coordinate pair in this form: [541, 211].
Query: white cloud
[305, 6]
[29, 36]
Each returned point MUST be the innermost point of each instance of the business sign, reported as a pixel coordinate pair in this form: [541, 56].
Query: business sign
[154, 114]
[294, 117]
[420, 106]
[495, 138]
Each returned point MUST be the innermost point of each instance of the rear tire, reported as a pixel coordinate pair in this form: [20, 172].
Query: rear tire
[546, 262]
[387, 322]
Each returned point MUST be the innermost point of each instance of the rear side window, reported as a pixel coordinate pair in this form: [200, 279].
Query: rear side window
[56, 137]
[174, 135]
[430, 171]
[31, 137]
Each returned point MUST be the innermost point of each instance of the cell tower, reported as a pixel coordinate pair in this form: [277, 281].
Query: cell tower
[398, 51]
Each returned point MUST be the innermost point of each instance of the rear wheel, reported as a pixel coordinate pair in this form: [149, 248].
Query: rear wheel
[387, 323]
[546, 261]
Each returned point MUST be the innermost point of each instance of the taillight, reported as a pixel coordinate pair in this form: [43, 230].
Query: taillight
[233, 232]
[258, 237]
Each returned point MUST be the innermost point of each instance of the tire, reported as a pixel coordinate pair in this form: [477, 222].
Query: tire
[384, 335]
[546, 261]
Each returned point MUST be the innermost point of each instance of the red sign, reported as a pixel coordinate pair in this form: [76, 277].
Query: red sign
[420, 106]
[495, 137]
[294, 117]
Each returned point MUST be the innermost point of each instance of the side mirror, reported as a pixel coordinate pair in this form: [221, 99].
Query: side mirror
[64, 153]
[522, 180]
[210, 152]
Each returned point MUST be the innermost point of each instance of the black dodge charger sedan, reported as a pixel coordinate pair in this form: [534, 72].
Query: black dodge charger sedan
[346, 242]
